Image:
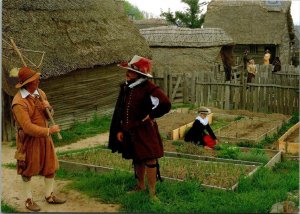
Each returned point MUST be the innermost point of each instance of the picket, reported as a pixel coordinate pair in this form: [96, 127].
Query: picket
[269, 92]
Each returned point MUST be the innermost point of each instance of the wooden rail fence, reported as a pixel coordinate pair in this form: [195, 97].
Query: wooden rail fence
[268, 92]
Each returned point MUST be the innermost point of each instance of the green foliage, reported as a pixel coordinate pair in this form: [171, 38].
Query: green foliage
[10, 165]
[254, 195]
[227, 151]
[255, 155]
[5, 208]
[177, 143]
[269, 139]
[81, 130]
[133, 11]
[249, 144]
[218, 124]
[191, 17]
[238, 118]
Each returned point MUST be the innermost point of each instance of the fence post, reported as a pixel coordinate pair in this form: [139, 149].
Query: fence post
[193, 85]
[165, 82]
[243, 89]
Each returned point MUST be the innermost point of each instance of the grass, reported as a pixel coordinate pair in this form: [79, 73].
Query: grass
[5, 208]
[80, 130]
[254, 195]
[219, 174]
[10, 165]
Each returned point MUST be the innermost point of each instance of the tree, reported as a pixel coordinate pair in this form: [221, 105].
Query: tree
[132, 10]
[192, 17]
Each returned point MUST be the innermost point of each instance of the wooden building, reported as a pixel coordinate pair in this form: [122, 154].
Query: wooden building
[82, 40]
[254, 25]
[183, 50]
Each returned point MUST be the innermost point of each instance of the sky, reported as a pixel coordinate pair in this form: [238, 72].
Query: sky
[154, 7]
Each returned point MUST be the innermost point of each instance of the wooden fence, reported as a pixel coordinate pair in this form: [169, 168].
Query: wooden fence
[269, 92]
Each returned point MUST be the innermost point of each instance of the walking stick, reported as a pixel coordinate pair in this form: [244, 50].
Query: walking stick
[24, 63]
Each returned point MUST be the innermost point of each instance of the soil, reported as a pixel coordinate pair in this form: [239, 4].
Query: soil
[293, 137]
[251, 129]
[76, 201]
[174, 120]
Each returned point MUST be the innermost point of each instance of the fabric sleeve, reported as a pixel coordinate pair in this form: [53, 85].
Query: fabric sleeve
[23, 119]
[210, 132]
[164, 104]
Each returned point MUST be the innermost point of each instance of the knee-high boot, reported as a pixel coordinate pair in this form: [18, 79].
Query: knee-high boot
[151, 177]
[140, 173]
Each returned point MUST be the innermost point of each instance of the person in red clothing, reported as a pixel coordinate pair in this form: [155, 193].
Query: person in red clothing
[134, 131]
[196, 133]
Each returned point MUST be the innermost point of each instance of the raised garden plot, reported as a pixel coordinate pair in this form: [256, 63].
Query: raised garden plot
[250, 130]
[289, 141]
[174, 125]
[238, 154]
[211, 174]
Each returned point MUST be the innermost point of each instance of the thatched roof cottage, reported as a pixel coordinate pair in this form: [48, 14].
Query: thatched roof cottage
[148, 23]
[180, 50]
[83, 41]
[256, 25]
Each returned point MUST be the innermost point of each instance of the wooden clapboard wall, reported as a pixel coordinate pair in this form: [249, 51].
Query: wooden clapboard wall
[80, 94]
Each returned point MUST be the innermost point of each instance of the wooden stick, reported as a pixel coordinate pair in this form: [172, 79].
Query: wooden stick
[24, 63]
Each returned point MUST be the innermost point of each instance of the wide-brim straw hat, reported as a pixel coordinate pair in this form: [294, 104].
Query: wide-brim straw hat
[204, 110]
[138, 64]
[26, 75]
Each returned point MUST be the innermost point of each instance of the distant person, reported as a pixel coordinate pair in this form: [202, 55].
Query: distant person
[267, 57]
[251, 68]
[197, 135]
[246, 59]
[277, 64]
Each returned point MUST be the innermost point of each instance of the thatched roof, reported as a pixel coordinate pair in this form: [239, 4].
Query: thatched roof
[250, 21]
[172, 36]
[147, 23]
[75, 34]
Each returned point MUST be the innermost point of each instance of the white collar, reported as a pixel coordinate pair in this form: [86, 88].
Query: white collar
[203, 121]
[139, 81]
[25, 93]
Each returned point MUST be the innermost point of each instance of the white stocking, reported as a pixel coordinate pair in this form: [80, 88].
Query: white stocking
[49, 182]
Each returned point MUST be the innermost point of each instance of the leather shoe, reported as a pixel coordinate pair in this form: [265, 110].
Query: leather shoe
[31, 205]
[52, 199]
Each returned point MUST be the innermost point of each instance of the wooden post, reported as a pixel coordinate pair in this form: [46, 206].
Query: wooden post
[165, 82]
[193, 87]
[24, 63]
[243, 89]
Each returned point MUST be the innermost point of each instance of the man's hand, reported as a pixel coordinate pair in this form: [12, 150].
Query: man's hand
[120, 136]
[46, 104]
[54, 129]
[148, 118]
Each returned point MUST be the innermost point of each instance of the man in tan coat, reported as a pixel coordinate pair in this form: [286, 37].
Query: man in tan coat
[35, 149]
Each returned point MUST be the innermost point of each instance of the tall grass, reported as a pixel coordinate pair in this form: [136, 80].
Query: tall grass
[254, 195]
[80, 130]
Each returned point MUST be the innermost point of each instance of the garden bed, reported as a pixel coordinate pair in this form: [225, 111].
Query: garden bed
[225, 153]
[250, 130]
[289, 141]
[211, 174]
[174, 124]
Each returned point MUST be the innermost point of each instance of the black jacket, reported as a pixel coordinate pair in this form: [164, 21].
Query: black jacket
[197, 132]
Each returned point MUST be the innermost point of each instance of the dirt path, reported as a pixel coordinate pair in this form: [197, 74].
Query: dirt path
[76, 202]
